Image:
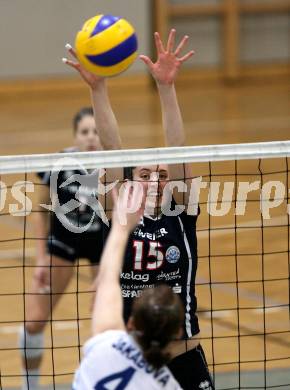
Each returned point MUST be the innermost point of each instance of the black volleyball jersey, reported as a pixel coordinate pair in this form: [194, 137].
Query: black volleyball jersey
[79, 187]
[163, 250]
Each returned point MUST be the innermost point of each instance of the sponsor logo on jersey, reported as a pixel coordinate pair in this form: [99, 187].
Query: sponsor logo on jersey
[205, 385]
[150, 236]
[131, 294]
[172, 254]
[133, 276]
[169, 275]
[177, 288]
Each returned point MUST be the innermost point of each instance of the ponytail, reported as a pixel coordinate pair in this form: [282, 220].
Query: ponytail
[153, 351]
[157, 316]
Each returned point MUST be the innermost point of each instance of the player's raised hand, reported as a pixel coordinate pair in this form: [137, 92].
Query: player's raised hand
[128, 207]
[168, 62]
[91, 79]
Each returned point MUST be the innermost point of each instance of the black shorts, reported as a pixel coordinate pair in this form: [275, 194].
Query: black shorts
[191, 371]
[71, 247]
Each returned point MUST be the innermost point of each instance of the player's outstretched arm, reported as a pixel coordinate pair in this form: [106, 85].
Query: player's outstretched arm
[108, 305]
[106, 122]
[165, 71]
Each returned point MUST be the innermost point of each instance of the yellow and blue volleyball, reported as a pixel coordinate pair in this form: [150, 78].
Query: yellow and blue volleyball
[106, 45]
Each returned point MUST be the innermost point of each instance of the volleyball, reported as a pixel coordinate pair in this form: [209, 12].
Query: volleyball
[106, 45]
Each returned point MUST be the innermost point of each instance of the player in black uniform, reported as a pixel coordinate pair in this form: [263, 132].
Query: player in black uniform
[66, 235]
[163, 248]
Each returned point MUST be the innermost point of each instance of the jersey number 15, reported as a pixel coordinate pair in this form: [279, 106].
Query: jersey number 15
[155, 252]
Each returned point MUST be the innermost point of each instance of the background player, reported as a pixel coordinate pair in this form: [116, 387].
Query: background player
[164, 248]
[132, 359]
[60, 241]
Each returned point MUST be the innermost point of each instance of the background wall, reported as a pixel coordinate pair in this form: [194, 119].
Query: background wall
[263, 38]
[33, 32]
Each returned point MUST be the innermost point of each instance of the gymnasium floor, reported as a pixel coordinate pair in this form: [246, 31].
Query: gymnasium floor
[213, 114]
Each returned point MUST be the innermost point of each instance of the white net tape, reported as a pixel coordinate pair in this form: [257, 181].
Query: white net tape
[135, 157]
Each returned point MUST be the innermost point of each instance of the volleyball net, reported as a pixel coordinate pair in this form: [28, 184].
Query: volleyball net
[242, 282]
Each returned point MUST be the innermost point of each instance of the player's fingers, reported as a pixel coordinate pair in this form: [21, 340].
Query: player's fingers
[125, 196]
[138, 200]
[137, 194]
[181, 45]
[115, 196]
[158, 43]
[73, 64]
[71, 50]
[186, 56]
[129, 193]
[171, 40]
[146, 61]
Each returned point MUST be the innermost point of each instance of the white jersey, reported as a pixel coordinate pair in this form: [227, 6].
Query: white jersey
[113, 361]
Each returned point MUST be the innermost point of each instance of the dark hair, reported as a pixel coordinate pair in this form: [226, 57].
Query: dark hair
[128, 173]
[79, 116]
[158, 315]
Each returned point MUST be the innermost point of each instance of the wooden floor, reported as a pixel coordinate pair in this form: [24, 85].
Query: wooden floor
[242, 281]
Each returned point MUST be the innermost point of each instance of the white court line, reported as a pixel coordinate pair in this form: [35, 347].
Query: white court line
[218, 314]
[59, 325]
[269, 310]
[65, 325]
[231, 313]
[72, 325]
[10, 329]
[10, 254]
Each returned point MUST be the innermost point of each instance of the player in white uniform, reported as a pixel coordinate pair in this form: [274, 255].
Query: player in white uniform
[117, 358]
